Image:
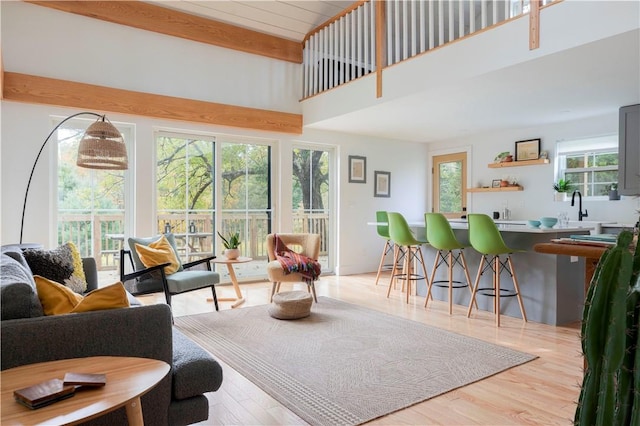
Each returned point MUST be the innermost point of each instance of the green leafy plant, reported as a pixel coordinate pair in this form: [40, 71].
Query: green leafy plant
[562, 185]
[232, 242]
[610, 393]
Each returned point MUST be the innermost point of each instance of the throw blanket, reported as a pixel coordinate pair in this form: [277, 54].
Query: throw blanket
[296, 262]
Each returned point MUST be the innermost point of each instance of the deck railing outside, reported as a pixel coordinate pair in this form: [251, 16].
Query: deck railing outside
[106, 232]
[345, 49]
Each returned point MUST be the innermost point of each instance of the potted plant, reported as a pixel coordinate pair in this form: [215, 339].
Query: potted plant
[561, 187]
[231, 245]
[613, 191]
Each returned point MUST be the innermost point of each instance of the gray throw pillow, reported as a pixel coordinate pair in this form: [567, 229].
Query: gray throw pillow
[18, 295]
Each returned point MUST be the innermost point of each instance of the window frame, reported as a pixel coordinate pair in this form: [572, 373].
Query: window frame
[588, 147]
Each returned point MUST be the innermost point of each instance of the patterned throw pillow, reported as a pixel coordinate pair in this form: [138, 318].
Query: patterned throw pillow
[58, 265]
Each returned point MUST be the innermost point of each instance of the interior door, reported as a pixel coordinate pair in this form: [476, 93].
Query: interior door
[449, 175]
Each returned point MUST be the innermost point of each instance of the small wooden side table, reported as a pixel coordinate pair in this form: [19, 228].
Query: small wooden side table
[128, 378]
[239, 299]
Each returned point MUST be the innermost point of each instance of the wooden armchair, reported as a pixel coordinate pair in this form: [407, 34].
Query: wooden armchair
[189, 277]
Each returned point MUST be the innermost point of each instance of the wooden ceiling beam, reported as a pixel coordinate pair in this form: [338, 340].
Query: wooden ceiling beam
[43, 90]
[162, 20]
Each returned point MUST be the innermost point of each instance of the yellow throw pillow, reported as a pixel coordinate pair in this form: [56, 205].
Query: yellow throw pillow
[57, 299]
[157, 253]
[110, 297]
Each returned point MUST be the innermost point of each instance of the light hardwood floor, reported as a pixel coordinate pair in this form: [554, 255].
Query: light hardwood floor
[541, 392]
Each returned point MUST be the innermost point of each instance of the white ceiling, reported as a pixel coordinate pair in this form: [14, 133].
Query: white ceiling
[292, 20]
[586, 81]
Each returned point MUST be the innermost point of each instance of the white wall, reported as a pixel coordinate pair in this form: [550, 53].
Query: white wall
[537, 199]
[25, 126]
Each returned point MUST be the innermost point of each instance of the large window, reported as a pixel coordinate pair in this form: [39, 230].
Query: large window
[206, 185]
[590, 165]
[245, 191]
[185, 196]
[311, 197]
[91, 203]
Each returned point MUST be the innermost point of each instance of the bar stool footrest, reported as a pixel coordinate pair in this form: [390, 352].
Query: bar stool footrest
[491, 292]
[445, 284]
[412, 277]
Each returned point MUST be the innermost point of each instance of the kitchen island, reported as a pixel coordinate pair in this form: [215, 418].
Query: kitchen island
[552, 287]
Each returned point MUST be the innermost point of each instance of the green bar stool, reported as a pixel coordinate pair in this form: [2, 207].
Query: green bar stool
[450, 253]
[486, 239]
[389, 246]
[401, 235]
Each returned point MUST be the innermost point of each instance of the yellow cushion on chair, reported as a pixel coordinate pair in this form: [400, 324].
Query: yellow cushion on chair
[57, 299]
[157, 253]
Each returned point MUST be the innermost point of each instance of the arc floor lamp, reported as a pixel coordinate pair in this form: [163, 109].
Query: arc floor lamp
[101, 147]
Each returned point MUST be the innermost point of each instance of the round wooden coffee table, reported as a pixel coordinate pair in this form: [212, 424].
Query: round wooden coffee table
[128, 379]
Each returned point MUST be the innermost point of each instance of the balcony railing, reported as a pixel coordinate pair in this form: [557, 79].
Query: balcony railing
[101, 236]
[396, 30]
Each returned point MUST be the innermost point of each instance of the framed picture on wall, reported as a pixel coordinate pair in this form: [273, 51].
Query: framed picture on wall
[495, 183]
[528, 150]
[357, 169]
[381, 184]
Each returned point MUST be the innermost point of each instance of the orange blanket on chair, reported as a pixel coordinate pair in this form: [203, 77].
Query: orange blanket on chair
[296, 262]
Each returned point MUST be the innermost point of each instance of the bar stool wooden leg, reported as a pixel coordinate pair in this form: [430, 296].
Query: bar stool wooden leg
[396, 254]
[433, 275]
[497, 289]
[517, 289]
[388, 245]
[475, 286]
[424, 271]
[466, 275]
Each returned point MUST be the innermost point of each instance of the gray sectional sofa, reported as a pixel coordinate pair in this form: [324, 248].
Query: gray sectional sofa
[140, 331]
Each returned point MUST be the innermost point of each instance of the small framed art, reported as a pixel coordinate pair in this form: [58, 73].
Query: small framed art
[357, 169]
[495, 183]
[382, 184]
[528, 150]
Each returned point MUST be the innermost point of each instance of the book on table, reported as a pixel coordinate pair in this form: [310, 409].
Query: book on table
[85, 379]
[43, 394]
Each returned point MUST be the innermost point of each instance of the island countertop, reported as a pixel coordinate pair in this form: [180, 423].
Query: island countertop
[505, 226]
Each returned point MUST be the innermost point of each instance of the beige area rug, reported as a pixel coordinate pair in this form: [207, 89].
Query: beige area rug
[345, 364]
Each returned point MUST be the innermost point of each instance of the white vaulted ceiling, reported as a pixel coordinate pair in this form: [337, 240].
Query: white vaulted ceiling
[287, 19]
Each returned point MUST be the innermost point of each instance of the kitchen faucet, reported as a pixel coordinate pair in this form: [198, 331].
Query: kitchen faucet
[573, 199]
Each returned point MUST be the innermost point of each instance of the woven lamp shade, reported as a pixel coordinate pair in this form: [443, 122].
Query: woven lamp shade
[102, 147]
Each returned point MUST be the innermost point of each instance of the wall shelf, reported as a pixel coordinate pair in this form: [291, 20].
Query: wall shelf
[501, 189]
[519, 163]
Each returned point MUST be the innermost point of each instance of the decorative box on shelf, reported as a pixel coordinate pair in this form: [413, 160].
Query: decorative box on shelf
[498, 189]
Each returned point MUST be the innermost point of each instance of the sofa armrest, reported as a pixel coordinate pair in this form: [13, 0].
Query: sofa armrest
[143, 331]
